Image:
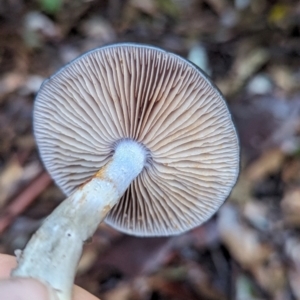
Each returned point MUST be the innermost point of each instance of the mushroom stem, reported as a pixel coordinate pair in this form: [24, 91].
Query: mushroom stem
[53, 252]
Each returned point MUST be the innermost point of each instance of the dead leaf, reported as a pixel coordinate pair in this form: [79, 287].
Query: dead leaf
[9, 180]
[242, 241]
[291, 207]
[269, 162]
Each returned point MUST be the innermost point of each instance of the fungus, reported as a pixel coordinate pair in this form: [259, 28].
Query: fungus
[136, 136]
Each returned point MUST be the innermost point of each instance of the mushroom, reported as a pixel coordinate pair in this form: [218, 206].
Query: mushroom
[136, 136]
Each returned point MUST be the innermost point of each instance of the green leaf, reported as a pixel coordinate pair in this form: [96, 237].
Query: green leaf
[51, 6]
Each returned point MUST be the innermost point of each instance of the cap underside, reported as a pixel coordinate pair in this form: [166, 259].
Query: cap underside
[156, 98]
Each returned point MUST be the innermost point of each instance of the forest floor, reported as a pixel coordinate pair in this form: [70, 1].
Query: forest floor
[250, 249]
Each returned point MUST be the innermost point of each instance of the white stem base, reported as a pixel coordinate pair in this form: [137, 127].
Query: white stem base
[53, 252]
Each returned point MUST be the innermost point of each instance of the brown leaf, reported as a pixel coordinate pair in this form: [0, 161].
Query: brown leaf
[242, 241]
[291, 207]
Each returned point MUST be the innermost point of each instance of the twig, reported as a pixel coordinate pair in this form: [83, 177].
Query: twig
[24, 199]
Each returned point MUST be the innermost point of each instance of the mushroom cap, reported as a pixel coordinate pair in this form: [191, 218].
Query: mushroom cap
[132, 91]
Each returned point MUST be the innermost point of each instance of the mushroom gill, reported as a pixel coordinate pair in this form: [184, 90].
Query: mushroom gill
[129, 91]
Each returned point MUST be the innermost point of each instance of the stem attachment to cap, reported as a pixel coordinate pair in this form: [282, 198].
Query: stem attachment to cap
[53, 252]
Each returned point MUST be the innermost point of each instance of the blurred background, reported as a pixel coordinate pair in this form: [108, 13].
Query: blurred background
[251, 50]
